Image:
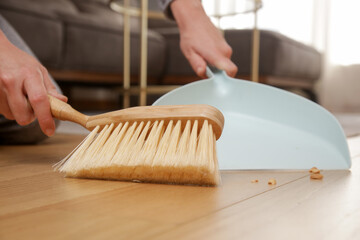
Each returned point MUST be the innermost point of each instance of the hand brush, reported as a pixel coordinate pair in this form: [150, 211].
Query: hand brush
[162, 144]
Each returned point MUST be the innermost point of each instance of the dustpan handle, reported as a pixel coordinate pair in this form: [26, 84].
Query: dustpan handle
[211, 71]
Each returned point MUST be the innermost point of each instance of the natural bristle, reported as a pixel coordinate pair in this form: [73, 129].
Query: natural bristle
[147, 152]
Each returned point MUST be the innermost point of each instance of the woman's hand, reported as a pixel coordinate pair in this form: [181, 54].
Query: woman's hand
[200, 41]
[24, 86]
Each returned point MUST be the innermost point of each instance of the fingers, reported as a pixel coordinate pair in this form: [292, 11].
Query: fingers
[37, 96]
[23, 99]
[220, 57]
[228, 66]
[24, 87]
[197, 63]
[16, 101]
[4, 106]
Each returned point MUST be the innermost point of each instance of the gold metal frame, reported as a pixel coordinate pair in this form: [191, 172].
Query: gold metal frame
[255, 46]
[143, 52]
[144, 14]
[126, 69]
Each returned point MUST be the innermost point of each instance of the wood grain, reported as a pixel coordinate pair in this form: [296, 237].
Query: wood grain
[303, 209]
[37, 202]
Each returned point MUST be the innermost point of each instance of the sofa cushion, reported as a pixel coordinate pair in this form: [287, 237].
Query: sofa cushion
[37, 23]
[43, 35]
[90, 49]
[94, 41]
[80, 35]
[280, 56]
[44, 8]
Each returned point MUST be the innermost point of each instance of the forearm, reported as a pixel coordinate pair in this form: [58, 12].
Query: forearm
[188, 13]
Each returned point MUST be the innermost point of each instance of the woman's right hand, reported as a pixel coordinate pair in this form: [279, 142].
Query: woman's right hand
[24, 88]
[200, 41]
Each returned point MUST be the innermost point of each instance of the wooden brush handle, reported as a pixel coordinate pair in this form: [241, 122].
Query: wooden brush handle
[63, 111]
[200, 112]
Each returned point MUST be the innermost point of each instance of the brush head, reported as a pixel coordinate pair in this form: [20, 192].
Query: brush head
[199, 112]
[166, 151]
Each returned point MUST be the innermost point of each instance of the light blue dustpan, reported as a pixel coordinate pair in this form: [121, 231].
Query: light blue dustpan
[266, 127]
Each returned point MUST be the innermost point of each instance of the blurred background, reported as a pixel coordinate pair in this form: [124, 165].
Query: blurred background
[109, 54]
[327, 25]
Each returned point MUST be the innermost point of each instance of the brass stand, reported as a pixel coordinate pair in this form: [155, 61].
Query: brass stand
[143, 52]
[126, 70]
[255, 49]
[144, 14]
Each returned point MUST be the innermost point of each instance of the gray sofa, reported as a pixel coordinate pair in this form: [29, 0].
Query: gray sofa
[85, 36]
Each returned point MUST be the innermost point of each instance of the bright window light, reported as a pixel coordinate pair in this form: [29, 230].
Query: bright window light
[344, 35]
[332, 24]
[293, 18]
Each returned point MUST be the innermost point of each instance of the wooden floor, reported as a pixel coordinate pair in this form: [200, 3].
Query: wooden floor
[37, 203]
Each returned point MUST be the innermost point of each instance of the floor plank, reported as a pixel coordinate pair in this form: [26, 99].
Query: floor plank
[165, 205]
[39, 192]
[302, 209]
[61, 224]
[37, 202]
